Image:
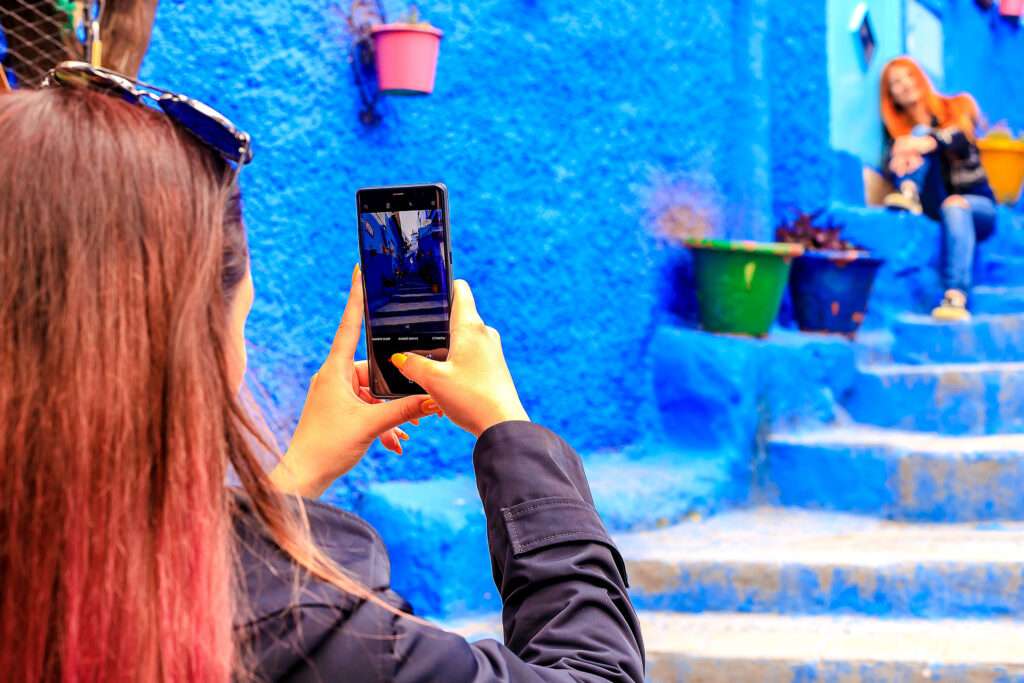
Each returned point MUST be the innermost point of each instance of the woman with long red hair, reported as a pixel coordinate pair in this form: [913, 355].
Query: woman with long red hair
[124, 554]
[936, 168]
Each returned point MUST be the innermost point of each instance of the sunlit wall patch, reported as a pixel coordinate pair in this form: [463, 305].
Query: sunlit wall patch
[924, 38]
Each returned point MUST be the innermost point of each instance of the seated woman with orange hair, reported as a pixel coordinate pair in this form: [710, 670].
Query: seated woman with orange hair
[935, 166]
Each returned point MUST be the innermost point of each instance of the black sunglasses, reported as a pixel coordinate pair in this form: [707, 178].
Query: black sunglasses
[209, 125]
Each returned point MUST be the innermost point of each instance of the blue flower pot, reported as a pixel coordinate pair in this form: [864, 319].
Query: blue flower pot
[830, 290]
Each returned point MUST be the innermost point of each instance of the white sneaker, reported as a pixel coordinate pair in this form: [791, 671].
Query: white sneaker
[953, 307]
[907, 199]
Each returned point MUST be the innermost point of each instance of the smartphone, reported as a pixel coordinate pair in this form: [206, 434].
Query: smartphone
[406, 258]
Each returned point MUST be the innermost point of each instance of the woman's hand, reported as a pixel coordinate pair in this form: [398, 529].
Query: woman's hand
[905, 164]
[340, 418]
[473, 386]
[917, 145]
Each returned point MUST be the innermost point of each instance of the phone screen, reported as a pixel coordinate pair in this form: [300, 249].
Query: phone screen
[406, 262]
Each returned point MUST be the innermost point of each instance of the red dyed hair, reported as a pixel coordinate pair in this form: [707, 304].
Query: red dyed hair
[120, 249]
[959, 111]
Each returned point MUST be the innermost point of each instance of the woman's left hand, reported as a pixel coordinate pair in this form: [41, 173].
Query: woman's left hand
[905, 164]
[340, 418]
[914, 144]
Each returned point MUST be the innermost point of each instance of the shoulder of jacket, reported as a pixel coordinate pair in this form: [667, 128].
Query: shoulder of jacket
[274, 583]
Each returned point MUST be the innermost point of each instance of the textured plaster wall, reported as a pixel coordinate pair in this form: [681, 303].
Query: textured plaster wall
[564, 130]
[798, 94]
[984, 52]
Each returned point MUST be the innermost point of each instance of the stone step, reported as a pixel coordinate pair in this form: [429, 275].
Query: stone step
[874, 346]
[956, 399]
[741, 648]
[1000, 270]
[995, 300]
[897, 475]
[985, 338]
[435, 530]
[798, 561]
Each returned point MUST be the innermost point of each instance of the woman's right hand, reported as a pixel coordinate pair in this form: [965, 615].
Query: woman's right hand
[473, 386]
[905, 164]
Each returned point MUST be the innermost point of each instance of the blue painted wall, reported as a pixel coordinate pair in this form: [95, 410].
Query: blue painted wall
[797, 76]
[984, 53]
[856, 126]
[564, 131]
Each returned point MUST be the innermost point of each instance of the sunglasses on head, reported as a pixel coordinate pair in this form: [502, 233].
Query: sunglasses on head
[210, 126]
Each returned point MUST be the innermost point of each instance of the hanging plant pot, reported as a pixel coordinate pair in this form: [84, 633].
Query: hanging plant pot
[740, 284]
[1011, 8]
[1003, 159]
[830, 290]
[406, 57]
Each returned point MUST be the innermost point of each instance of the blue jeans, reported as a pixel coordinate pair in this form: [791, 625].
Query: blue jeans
[962, 228]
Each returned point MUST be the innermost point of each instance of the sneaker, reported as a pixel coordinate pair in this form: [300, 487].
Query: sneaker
[907, 199]
[953, 307]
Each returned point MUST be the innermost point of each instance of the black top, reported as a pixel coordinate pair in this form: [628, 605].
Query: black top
[566, 614]
[961, 171]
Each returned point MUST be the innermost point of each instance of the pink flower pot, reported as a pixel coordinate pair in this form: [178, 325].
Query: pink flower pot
[1011, 8]
[406, 57]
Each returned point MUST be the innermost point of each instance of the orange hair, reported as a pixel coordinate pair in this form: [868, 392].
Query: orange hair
[959, 111]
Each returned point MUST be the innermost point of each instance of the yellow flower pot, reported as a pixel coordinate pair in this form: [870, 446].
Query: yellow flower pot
[1003, 159]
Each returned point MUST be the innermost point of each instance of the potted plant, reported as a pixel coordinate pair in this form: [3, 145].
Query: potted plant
[831, 282]
[406, 53]
[1003, 159]
[740, 283]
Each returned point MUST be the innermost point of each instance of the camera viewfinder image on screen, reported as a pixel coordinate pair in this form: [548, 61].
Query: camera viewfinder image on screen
[404, 261]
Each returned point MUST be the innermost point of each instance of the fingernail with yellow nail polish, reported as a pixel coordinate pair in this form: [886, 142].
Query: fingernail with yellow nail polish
[430, 406]
[402, 435]
[399, 359]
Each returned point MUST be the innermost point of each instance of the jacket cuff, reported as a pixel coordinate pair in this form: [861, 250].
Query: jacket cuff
[533, 489]
[518, 461]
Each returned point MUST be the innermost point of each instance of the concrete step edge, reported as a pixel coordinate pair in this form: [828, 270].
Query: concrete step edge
[789, 536]
[924, 443]
[722, 637]
[980, 368]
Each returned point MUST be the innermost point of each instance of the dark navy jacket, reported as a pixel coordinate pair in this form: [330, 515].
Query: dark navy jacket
[566, 614]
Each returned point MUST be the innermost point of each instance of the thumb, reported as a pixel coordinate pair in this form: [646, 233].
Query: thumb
[417, 368]
[399, 411]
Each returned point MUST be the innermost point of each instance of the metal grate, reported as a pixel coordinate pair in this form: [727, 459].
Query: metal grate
[37, 34]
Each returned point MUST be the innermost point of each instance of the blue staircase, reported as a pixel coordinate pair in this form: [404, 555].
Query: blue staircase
[811, 509]
[902, 516]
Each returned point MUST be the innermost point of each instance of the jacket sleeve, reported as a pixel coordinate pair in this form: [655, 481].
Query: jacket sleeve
[953, 141]
[566, 613]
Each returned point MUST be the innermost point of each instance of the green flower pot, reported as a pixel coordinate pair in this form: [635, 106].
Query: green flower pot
[740, 284]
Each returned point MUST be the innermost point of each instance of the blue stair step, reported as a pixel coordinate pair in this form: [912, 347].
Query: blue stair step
[769, 648]
[436, 533]
[995, 300]
[874, 346]
[1000, 270]
[956, 399]
[803, 562]
[897, 475]
[984, 338]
